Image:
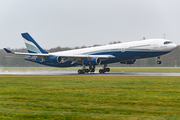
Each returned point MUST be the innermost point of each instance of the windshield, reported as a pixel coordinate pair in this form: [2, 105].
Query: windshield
[167, 42]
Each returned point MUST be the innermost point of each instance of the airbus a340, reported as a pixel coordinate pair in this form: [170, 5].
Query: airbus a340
[125, 53]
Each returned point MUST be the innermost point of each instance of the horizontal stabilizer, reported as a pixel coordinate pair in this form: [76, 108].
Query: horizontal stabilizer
[8, 51]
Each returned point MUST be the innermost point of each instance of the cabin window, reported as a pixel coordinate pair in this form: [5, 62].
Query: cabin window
[167, 42]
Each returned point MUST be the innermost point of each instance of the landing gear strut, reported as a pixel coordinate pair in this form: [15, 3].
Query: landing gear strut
[102, 71]
[92, 68]
[159, 60]
[83, 70]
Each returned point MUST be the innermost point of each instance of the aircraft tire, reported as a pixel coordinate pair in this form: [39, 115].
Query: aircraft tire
[159, 62]
[107, 69]
[101, 71]
[92, 70]
[87, 70]
[81, 71]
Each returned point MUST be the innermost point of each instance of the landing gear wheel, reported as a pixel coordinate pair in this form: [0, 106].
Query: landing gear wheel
[92, 70]
[101, 71]
[107, 69]
[86, 70]
[81, 71]
[159, 62]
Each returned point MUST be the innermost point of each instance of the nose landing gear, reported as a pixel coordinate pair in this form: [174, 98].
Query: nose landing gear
[159, 60]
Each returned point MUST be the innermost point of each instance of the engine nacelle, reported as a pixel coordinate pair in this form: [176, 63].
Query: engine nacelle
[53, 60]
[128, 62]
[92, 61]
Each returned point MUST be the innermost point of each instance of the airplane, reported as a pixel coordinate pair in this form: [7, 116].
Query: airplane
[125, 53]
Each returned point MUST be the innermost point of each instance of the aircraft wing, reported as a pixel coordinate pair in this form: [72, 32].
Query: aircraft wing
[63, 56]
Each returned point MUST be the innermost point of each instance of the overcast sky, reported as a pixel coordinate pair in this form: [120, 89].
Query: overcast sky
[71, 23]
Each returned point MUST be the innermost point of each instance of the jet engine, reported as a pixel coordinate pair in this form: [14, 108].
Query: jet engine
[128, 62]
[92, 61]
[53, 60]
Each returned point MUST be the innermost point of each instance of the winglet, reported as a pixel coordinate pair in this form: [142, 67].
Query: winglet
[8, 51]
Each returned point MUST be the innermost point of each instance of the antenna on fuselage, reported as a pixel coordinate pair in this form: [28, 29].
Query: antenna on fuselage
[164, 36]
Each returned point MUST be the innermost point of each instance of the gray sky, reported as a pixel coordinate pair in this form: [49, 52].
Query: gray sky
[71, 23]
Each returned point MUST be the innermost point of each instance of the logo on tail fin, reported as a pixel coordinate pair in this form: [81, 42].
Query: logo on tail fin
[31, 44]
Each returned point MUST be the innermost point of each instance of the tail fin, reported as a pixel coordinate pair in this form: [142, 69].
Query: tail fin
[31, 44]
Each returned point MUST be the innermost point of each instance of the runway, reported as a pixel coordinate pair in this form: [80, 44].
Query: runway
[91, 74]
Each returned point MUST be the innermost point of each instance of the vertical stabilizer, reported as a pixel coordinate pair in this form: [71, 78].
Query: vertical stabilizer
[31, 44]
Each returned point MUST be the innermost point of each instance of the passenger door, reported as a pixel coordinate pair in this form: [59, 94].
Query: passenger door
[155, 44]
[123, 48]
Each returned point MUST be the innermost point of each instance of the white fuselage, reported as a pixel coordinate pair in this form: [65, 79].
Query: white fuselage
[142, 45]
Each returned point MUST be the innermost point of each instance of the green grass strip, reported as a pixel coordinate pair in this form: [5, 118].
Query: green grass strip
[89, 97]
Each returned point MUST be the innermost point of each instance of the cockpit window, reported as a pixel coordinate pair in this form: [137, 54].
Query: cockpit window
[167, 42]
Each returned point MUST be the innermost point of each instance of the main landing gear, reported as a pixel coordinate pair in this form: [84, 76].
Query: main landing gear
[83, 70]
[102, 71]
[159, 60]
[92, 69]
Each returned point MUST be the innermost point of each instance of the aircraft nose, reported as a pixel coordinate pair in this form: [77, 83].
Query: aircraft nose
[173, 46]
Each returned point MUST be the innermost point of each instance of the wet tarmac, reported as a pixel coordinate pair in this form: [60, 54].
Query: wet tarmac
[91, 74]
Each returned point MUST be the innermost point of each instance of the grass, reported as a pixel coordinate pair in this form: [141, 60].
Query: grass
[89, 97]
[113, 69]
